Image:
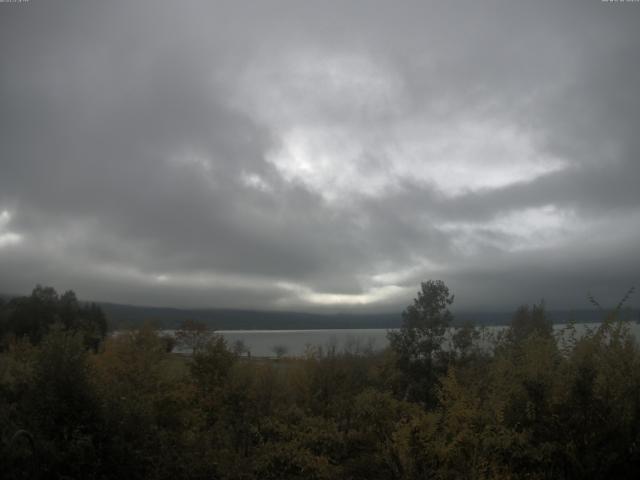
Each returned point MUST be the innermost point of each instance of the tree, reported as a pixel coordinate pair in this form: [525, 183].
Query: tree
[35, 315]
[211, 364]
[464, 340]
[418, 343]
[240, 348]
[3, 321]
[279, 350]
[193, 335]
[61, 407]
[527, 321]
[32, 316]
[144, 405]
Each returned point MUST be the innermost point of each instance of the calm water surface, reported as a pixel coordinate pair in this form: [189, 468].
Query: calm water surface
[262, 343]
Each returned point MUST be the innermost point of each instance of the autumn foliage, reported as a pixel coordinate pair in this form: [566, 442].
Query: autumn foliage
[531, 402]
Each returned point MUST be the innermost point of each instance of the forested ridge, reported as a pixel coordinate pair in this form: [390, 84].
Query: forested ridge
[529, 403]
[122, 316]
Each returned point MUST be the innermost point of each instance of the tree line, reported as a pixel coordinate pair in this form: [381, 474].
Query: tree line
[527, 402]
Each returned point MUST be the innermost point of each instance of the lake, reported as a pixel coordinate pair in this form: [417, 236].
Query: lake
[262, 343]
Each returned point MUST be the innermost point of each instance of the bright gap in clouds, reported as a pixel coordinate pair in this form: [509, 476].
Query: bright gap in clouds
[344, 126]
[452, 158]
[7, 237]
[255, 181]
[468, 155]
[372, 295]
[517, 230]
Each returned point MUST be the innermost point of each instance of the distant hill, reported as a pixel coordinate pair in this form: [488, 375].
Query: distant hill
[121, 316]
[127, 316]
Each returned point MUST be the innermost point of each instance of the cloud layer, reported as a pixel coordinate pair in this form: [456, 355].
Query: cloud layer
[320, 155]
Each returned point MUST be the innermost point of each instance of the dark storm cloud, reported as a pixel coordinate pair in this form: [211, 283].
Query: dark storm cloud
[319, 154]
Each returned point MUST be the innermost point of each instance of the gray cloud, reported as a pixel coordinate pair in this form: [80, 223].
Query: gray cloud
[320, 155]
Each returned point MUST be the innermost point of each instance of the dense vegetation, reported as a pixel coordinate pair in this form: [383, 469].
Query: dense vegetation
[524, 404]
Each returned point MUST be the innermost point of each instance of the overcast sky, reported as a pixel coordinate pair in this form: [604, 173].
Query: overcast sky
[320, 155]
